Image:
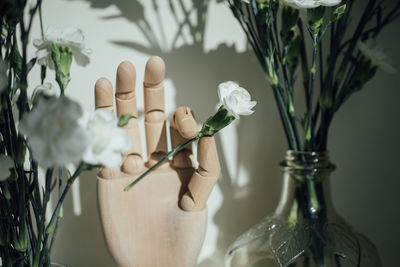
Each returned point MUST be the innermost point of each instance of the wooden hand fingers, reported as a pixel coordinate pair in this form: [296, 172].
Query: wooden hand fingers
[204, 178]
[125, 98]
[104, 100]
[182, 128]
[156, 137]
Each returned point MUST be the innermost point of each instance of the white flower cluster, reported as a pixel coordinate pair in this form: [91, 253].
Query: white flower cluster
[68, 37]
[235, 99]
[59, 133]
[107, 140]
[300, 4]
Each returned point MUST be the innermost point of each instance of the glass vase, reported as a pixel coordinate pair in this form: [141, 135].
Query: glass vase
[304, 230]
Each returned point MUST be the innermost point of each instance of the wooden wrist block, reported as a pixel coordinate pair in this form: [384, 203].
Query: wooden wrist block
[145, 226]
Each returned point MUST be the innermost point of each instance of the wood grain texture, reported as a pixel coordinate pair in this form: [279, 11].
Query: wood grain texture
[145, 226]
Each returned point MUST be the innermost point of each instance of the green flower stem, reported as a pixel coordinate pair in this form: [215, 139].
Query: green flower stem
[214, 124]
[308, 131]
[288, 128]
[60, 173]
[169, 154]
[42, 221]
[49, 227]
[41, 21]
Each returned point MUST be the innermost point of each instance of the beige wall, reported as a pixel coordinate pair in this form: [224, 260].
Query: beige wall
[364, 140]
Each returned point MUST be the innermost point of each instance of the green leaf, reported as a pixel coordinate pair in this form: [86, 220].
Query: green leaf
[16, 61]
[62, 58]
[43, 73]
[338, 12]
[124, 119]
[315, 18]
[220, 120]
[289, 18]
[365, 72]
[88, 167]
[30, 64]
[292, 54]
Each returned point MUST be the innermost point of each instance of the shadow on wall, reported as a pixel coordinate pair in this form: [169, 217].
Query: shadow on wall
[195, 75]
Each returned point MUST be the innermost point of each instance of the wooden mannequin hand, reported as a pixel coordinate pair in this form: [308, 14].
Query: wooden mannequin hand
[162, 220]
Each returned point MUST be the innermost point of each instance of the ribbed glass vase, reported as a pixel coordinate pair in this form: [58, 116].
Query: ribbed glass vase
[304, 230]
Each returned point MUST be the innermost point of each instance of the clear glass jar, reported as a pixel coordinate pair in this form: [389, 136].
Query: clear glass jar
[304, 230]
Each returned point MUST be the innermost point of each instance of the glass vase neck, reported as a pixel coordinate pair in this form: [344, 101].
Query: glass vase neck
[304, 162]
[306, 185]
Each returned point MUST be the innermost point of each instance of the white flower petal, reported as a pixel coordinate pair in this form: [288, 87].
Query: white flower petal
[246, 112]
[225, 89]
[113, 160]
[53, 132]
[71, 37]
[300, 4]
[236, 100]
[108, 141]
[120, 141]
[231, 103]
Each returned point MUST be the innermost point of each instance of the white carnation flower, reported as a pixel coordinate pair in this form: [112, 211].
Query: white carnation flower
[3, 76]
[53, 132]
[6, 163]
[311, 3]
[235, 99]
[376, 54]
[71, 37]
[107, 140]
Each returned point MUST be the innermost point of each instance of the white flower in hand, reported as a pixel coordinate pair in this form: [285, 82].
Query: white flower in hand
[235, 99]
[299, 4]
[53, 132]
[376, 54]
[107, 140]
[6, 163]
[68, 37]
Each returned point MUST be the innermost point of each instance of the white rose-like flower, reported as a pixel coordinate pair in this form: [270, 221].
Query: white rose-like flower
[53, 132]
[3, 76]
[107, 140]
[376, 54]
[299, 4]
[235, 99]
[71, 37]
[6, 163]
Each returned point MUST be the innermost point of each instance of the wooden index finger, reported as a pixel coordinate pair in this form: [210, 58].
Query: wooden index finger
[104, 99]
[156, 138]
[126, 103]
